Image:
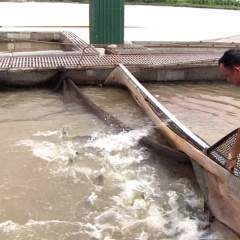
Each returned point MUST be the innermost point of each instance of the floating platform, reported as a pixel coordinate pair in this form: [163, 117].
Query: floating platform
[31, 58]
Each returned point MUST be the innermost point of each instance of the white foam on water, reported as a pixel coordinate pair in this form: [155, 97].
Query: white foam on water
[45, 133]
[107, 217]
[50, 151]
[92, 198]
[116, 142]
[47, 222]
[72, 171]
[118, 149]
[9, 226]
[137, 208]
[45, 150]
[143, 236]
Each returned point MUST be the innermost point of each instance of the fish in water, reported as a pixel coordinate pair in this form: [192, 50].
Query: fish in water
[70, 160]
[99, 180]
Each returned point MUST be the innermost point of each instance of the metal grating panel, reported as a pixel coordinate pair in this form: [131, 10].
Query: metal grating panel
[74, 61]
[220, 150]
[80, 44]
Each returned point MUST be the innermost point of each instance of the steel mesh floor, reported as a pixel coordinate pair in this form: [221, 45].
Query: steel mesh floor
[88, 56]
[80, 44]
[106, 60]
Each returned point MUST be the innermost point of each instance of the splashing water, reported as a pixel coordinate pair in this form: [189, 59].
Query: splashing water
[109, 190]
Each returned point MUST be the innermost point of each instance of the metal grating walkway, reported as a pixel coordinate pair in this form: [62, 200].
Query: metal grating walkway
[88, 57]
[52, 62]
[80, 44]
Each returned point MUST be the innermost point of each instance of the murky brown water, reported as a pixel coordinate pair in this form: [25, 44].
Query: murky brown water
[26, 46]
[66, 175]
[210, 110]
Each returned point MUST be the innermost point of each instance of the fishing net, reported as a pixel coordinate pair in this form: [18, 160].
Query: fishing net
[223, 195]
[70, 90]
[220, 150]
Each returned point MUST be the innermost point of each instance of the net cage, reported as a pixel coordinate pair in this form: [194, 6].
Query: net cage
[219, 151]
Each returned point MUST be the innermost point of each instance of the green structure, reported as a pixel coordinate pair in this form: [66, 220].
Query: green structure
[106, 19]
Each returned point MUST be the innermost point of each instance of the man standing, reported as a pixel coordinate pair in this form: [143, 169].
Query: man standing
[229, 65]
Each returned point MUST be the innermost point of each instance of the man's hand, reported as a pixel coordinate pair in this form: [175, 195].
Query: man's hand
[230, 164]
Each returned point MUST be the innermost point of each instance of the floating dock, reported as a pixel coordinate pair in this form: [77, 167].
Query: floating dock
[30, 58]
